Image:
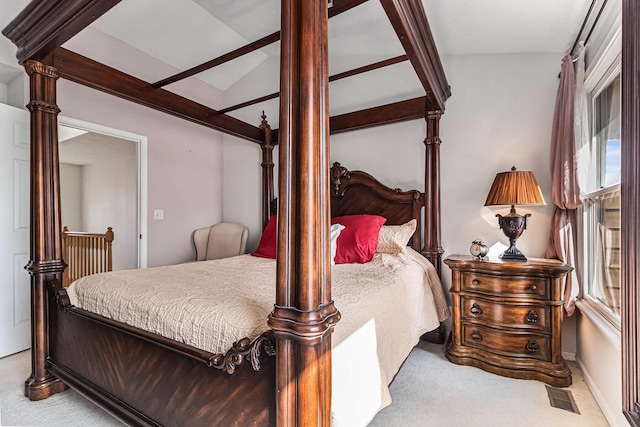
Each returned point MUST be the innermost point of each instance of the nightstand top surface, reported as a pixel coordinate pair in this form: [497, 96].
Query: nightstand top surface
[532, 264]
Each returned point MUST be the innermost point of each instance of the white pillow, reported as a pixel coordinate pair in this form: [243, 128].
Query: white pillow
[335, 232]
[393, 239]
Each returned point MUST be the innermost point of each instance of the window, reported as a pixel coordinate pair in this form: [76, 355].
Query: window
[601, 199]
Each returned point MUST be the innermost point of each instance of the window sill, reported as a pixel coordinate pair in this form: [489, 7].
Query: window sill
[612, 333]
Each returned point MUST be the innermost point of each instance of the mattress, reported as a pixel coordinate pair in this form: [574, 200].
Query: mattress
[385, 304]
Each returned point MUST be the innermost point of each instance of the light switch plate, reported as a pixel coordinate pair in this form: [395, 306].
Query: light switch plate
[158, 214]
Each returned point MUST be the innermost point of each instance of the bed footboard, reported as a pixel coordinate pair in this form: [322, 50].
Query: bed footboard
[144, 379]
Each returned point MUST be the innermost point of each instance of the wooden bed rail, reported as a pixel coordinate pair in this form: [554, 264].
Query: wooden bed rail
[85, 253]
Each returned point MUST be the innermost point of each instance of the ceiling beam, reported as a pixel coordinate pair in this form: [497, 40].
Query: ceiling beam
[338, 76]
[88, 72]
[43, 26]
[339, 6]
[396, 112]
[412, 28]
[265, 41]
[369, 67]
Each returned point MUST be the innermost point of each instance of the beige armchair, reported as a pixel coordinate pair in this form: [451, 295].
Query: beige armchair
[222, 240]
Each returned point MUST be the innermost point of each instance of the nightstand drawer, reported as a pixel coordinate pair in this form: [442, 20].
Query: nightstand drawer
[535, 287]
[529, 345]
[520, 316]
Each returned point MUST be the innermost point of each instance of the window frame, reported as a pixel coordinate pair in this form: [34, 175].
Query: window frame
[597, 189]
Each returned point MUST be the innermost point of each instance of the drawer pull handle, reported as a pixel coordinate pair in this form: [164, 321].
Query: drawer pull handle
[475, 281]
[532, 346]
[475, 336]
[531, 317]
[533, 287]
[475, 309]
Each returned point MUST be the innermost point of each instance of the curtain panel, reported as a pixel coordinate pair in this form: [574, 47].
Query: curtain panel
[567, 133]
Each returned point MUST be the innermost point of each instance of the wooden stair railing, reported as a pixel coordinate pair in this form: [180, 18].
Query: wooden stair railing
[85, 254]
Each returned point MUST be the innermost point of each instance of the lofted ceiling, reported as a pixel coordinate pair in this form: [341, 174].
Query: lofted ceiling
[186, 33]
[179, 34]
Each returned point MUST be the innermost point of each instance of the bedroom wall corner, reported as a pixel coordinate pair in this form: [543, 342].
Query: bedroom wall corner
[242, 194]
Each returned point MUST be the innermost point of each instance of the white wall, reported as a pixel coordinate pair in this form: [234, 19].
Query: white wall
[184, 159]
[243, 186]
[184, 167]
[600, 357]
[499, 116]
[109, 199]
[71, 196]
[12, 75]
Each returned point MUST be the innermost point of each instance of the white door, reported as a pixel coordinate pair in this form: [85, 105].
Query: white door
[15, 317]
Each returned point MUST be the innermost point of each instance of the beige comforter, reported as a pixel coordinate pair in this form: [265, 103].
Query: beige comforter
[385, 304]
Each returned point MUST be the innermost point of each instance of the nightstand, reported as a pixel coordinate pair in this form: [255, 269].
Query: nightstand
[507, 317]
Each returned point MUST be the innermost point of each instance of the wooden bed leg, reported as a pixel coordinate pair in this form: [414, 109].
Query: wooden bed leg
[432, 246]
[46, 240]
[437, 336]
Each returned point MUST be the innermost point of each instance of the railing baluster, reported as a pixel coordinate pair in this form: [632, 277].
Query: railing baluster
[86, 253]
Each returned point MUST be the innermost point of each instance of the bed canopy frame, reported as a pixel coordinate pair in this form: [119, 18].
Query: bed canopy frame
[304, 313]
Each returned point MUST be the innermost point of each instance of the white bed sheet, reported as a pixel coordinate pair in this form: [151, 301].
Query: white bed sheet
[385, 305]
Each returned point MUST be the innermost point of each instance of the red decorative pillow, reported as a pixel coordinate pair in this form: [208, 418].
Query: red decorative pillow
[267, 245]
[359, 239]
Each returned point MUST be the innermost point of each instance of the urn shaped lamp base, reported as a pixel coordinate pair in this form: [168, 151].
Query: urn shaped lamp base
[513, 225]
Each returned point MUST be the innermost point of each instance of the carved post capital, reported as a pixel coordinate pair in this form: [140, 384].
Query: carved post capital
[32, 66]
[433, 115]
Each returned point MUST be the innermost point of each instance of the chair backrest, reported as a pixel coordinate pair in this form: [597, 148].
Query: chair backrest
[222, 240]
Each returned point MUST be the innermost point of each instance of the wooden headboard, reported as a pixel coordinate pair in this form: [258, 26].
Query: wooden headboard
[357, 192]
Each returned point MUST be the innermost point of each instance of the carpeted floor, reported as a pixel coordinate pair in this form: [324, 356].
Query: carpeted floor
[428, 391]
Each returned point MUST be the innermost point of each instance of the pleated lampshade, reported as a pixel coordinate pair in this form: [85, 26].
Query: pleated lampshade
[515, 188]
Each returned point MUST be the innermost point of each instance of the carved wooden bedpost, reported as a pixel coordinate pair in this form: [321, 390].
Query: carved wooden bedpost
[304, 314]
[46, 262]
[267, 169]
[432, 245]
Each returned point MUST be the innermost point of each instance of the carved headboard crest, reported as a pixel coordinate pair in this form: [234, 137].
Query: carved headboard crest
[337, 172]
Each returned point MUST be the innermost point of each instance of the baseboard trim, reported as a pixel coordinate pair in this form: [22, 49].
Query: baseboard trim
[597, 395]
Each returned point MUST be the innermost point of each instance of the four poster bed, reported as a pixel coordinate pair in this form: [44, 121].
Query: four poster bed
[280, 373]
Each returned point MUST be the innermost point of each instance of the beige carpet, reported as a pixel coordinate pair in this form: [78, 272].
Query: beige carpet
[428, 391]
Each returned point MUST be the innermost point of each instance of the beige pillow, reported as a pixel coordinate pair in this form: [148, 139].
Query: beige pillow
[393, 239]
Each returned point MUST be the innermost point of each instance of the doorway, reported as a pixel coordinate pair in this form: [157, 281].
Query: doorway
[103, 174]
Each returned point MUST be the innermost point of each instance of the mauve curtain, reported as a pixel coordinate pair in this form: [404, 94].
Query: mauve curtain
[565, 191]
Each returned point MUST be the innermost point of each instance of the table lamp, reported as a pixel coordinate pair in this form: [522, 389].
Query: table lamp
[514, 188]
